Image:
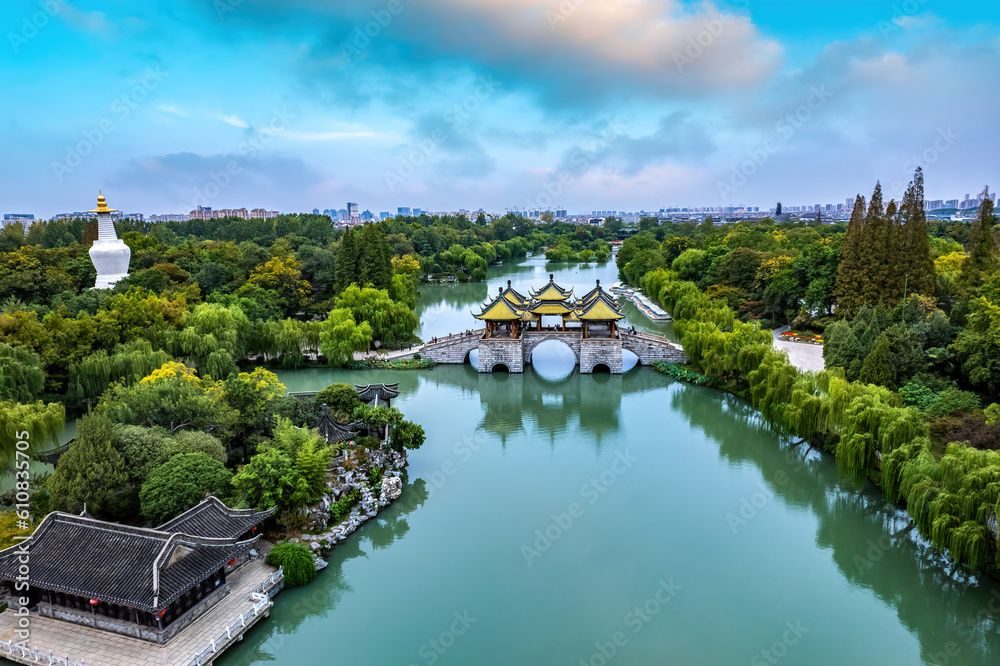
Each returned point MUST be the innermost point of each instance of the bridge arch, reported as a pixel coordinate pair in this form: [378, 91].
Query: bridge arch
[553, 343]
[499, 367]
[534, 339]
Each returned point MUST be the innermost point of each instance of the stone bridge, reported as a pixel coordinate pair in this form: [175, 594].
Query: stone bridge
[515, 353]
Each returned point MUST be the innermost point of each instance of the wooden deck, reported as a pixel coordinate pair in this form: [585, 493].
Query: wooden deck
[72, 645]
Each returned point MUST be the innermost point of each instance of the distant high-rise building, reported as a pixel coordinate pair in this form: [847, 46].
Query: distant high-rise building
[315, 211]
[951, 203]
[561, 212]
[353, 210]
[417, 212]
[367, 215]
[384, 215]
[403, 210]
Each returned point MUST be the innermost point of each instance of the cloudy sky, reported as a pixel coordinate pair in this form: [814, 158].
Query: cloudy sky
[447, 104]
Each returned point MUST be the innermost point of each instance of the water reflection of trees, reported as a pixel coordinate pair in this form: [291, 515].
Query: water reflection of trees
[319, 598]
[871, 541]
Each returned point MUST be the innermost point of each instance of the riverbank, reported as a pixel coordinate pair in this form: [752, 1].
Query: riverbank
[484, 484]
[361, 482]
[872, 437]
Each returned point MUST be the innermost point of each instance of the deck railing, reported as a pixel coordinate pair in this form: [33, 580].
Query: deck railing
[270, 583]
[235, 629]
[38, 656]
[474, 333]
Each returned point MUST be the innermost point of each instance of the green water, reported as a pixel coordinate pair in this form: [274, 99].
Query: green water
[554, 518]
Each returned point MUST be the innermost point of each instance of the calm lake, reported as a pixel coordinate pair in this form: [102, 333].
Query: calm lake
[554, 518]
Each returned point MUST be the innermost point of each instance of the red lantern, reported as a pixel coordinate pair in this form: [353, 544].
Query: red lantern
[231, 562]
[162, 613]
[94, 602]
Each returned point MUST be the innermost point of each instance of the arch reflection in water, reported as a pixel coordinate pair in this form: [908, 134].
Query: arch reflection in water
[512, 403]
[553, 360]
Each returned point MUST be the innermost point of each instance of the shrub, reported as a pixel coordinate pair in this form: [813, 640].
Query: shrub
[341, 399]
[953, 400]
[296, 561]
[195, 441]
[407, 435]
[180, 483]
[977, 433]
[343, 506]
[918, 395]
[679, 372]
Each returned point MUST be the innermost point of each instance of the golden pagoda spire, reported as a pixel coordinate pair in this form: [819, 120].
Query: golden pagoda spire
[102, 205]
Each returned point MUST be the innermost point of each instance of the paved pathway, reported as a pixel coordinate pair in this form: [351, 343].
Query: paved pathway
[801, 355]
[95, 646]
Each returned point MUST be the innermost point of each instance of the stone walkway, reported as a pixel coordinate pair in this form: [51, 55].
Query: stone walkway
[801, 355]
[103, 648]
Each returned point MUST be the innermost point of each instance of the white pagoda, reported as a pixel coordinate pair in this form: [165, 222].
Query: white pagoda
[109, 254]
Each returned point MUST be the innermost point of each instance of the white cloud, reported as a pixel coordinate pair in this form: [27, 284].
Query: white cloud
[170, 108]
[327, 136]
[235, 121]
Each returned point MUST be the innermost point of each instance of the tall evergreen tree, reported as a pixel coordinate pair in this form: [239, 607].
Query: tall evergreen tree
[777, 210]
[876, 240]
[915, 261]
[878, 368]
[374, 259]
[346, 270]
[850, 272]
[892, 289]
[982, 247]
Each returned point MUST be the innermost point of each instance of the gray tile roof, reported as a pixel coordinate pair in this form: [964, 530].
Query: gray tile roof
[138, 567]
[212, 518]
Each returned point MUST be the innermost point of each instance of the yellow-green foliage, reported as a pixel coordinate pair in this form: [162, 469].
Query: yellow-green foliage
[9, 529]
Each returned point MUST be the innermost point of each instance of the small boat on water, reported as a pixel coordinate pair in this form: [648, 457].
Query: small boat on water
[646, 306]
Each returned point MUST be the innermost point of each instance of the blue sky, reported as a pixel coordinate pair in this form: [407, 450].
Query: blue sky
[447, 104]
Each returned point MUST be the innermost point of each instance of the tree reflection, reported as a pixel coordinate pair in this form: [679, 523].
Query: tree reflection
[319, 598]
[872, 542]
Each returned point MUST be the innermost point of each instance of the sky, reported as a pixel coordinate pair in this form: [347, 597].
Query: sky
[292, 105]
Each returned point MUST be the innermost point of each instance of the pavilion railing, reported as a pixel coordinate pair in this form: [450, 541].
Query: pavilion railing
[38, 656]
[270, 582]
[231, 632]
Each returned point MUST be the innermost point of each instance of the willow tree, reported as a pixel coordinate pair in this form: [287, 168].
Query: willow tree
[288, 340]
[341, 336]
[21, 376]
[214, 337]
[128, 364]
[36, 423]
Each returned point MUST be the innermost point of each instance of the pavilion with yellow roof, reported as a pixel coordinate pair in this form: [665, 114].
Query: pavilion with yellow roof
[510, 313]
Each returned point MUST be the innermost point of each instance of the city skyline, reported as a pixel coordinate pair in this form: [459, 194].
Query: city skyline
[387, 102]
